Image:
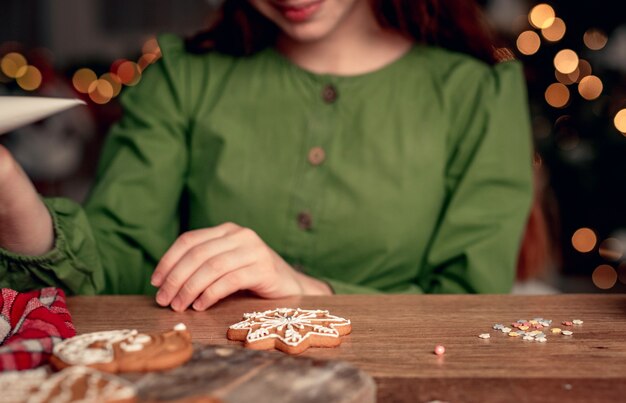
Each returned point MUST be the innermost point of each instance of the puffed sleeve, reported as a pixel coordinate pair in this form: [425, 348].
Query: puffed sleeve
[489, 182]
[131, 216]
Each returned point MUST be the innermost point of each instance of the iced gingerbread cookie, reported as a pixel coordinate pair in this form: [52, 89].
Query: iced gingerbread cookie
[125, 350]
[289, 330]
[84, 384]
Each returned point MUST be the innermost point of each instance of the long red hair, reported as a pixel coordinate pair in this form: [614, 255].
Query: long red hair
[238, 29]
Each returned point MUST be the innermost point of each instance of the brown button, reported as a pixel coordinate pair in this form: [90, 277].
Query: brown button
[329, 94]
[305, 221]
[317, 155]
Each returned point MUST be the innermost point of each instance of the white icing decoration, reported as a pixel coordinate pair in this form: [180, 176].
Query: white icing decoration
[180, 327]
[142, 338]
[299, 324]
[100, 387]
[76, 350]
[131, 347]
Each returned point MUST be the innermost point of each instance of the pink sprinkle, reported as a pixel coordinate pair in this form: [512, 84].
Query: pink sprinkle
[439, 349]
[567, 323]
[515, 324]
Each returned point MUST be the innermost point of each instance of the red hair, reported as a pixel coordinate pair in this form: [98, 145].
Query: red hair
[459, 25]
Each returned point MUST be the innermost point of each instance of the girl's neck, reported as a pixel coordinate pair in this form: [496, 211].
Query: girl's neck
[353, 48]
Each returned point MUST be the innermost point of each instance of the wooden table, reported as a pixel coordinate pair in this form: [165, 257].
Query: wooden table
[393, 339]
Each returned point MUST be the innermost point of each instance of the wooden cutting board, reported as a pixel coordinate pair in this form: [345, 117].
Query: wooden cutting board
[232, 374]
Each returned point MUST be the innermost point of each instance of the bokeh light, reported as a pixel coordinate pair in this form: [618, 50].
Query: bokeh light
[584, 240]
[590, 87]
[557, 95]
[29, 78]
[100, 91]
[115, 81]
[595, 39]
[151, 46]
[129, 73]
[566, 61]
[604, 277]
[82, 80]
[583, 70]
[541, 16]
[567, 79]
[620, 121]
[611, 249]
[554, 32]
[13, 64]
[528, 42]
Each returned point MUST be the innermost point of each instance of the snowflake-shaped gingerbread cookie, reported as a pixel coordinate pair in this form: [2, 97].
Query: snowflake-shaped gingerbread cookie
[289, 330]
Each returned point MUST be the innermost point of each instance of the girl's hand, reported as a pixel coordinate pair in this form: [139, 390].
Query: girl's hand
[206, 265]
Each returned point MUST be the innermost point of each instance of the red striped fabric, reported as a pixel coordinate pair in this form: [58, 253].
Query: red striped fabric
[30, 324]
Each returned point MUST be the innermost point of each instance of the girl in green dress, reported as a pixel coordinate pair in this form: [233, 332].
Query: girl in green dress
[297, 147]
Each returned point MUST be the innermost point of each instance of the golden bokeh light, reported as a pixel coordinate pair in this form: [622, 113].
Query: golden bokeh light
[13, 64]
[541, 16]
[82, 79]
[115, 81]
[620, 121]
[146, 59]
[557, 95]
[595, 39]
[29, 78]
[584, 240]
[100, 91]
[566, 78]
[151, 46]
[528, 42]
[566, 61]
[590, 87]
[129, 73]
[583, 70]
[554, 32]
[604, 277]
[611, 249]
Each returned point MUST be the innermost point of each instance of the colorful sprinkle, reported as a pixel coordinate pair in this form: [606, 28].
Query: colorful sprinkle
[555, 330]
[577, 322]
[484, 335]
[567, 323]
[567, 333]
[439, 349]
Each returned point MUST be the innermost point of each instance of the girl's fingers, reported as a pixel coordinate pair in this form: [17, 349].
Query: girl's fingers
[206, 275]
[196, 258]
[229, 283]
[182, 245]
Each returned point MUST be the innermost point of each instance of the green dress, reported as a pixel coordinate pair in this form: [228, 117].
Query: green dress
[413, 178]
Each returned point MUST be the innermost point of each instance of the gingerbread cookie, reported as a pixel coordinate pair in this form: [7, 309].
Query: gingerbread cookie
[84, 384]
[289, 330]
[125, 350]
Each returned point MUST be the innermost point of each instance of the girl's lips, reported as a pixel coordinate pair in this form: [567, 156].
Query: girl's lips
[299, 13]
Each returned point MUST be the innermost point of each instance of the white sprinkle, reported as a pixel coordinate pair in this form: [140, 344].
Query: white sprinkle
[180, 327]
[577, 322]
[528, 338]
[484, 335]
[541, 339]
[567, 332]
[506, 330]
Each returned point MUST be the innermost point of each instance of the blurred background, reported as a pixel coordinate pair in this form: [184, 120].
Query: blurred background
[574, 53]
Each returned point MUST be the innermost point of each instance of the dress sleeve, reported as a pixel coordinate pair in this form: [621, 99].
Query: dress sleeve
[489, 182]
[132, 214]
